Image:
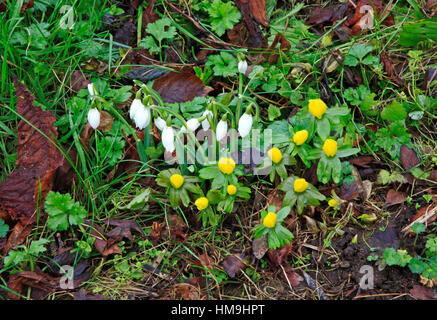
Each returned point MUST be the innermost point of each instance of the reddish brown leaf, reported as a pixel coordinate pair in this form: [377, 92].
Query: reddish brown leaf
[409, 158]
[423, 293]
[177, 228]
[394, 197]
[293, 277]
[258, 10]
[123, 229]
[423, 211]
[37, 161]
[105, 246]
[328, 14]
[233, 264]
[362, 161]
[180, 87]
[256, 39]
[350, 192]
[83, 295]
[78, 81]
[18, 283]
[260, 246]
[185, 291]
[433, 175]
[277, 256]
[391, 72]
[18, 235]
[206, 261]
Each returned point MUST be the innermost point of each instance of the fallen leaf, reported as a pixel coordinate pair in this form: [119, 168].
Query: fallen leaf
[125, 34]
[184, 291]
[260, 246]
[180, 87]
[292, 276]
[362, 161]
[409, 158]
[123, 229]
[277, 256]
[233, 264]
[258, 10]
[78, 81]
[425, 215]
[41, 283]
[394, 197]
[350, 192]
[256, 39]
[37, 161]
[423, 293]
[328, 14]
[391, 72]
[101, 243]
[83, 295]
[177, 228]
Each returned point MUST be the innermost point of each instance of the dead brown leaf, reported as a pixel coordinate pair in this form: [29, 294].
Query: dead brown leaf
[185, 291]
[409, 158]
[123, 229]
[102, 243]
[394, 197]
[37, 162]
[180, 87]
[423, 293]
[390, 70]
[256, 39]
[42, 284]
[83, 295]
[260, 246]
[258, 10]
[292, 276]
[328, 14]
[234, 264]
[277, 256]
[78, 81]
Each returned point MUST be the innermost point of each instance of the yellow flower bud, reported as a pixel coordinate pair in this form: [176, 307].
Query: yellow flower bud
[317, 108]
[226, 165]
[300, 137]
[275, 154]
[202, 203]
[300, 185]
[332, 202]
[330, 147]
[270, 220]
[231, 189]
[176, 180]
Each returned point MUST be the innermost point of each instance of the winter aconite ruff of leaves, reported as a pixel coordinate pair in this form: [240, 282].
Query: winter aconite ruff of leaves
[218, 149]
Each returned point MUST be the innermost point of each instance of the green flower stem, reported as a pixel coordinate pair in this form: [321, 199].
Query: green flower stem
[240, 95]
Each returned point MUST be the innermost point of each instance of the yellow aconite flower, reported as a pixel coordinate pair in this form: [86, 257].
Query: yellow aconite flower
[300, 185]
[317, 108]
[332, 202]
[176, 180]
[300, 137]
[226, 165]
[270, 220]
[330, 147]
[275, 154]
[231, 189]
[202, 203]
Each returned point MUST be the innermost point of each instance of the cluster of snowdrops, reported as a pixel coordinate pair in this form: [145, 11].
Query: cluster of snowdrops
[316, 133]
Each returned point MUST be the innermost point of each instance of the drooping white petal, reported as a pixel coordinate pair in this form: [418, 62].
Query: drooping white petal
[167, 136]
[94, 118]
[192, 125]
[245, 124]
[135, 105]
[92, 89]
[205, 123]
[242, 67]
[142, 117]
[221, 130]
[160, 123]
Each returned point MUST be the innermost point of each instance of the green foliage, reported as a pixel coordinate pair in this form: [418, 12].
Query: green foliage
[63, 211]
[392, 138]
[363, 98]
[4, 228]
[223, 16]
[23, 255]
[110, 149]
[359, 54]
[224, 64]
[394, 111]
[159, 31]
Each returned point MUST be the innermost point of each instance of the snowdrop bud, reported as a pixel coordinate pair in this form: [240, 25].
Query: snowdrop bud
[245, 124]
[205, 123]
[168, 138]
[135, 105]
[142, 117]
[242, 66]
[221, 130]
[94, 118]
[192, 125]
[160, 123]
[92, 89]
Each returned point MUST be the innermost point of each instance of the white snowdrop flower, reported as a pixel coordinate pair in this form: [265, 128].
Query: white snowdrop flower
[142, 117]
[94, 118]
[221, 130]
[242, 66]
[245, 124]
[192, 125]
[135, 105]
[205, 123]
[160, 123]
[167, 137]
[92, 89]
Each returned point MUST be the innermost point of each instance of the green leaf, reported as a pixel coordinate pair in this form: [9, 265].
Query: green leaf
[223, 16]
[4, 228]
[162, 29]
[62, 211]
[209, 172]
[418, 227]
[224, 64]
[394, 111]
[323, 128]
[38, 246]
[214, 196]
[360, 50]
[139, 201]
[416, 266]
[273, 112]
